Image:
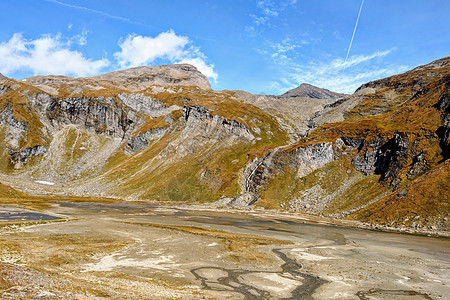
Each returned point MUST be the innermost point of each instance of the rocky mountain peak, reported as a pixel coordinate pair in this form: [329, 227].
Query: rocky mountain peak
[310, 91]
[2, 77]
[177, 74]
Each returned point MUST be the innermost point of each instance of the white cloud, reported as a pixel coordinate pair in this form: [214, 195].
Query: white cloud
[199, 63]
[137, 50]
[47, 55]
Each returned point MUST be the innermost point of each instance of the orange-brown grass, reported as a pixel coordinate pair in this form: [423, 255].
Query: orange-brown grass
[221, 103]
[150, 123]
[23, 112]
[427, 196]
[410, 110]
[80, 90]
[241, 246]
[9, 195]
[210, 172]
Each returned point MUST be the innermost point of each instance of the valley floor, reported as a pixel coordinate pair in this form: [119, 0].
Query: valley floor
[128, 250]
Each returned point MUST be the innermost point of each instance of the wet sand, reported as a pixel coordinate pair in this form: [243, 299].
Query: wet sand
[149, 251]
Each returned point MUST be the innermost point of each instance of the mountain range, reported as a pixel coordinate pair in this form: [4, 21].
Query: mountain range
[161, 133]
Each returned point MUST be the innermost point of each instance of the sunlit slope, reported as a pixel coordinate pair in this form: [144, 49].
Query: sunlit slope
[379, 155]
[391, 135]
[173, 142]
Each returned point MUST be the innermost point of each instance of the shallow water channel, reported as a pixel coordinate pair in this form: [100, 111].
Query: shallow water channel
[312, 261]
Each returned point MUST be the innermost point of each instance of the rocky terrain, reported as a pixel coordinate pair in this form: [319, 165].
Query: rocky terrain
[160, 133]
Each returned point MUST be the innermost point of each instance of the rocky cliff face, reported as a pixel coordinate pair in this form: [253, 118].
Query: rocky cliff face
[444, 131]
[160, 133]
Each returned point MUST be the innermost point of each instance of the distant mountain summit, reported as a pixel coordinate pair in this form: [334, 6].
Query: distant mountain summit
[2, 77]
[310, 91]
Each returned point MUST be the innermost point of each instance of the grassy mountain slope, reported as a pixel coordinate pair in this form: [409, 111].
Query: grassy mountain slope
[393, 140]
[379, 155]
[177, 143]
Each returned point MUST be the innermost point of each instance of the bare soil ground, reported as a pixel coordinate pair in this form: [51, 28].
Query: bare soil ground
[147, 251]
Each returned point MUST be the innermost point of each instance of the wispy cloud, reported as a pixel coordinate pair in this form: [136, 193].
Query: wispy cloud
[337, 74]
[347, 82]
[137, 50]
[337, 65]
[266, 9]
[259, 20]
[282, 51]
[95, 11]
[47, 55]
[80, 39]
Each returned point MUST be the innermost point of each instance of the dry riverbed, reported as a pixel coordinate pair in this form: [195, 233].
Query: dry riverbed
[90, 250]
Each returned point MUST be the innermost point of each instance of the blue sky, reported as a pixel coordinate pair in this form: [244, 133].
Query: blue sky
[260, 46]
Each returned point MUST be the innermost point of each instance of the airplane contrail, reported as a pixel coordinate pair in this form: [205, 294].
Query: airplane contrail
[94, 11]
[354, 30]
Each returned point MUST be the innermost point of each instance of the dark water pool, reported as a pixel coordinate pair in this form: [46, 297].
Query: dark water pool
[27, 216]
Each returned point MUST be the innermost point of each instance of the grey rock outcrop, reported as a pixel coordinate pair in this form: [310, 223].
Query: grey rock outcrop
[243, 200]
[142, 141]
[202, 131]
[444, 131]
[387, 157]
[2, 76]
[16, 129]
[303, 159]
[101, 115]
[20, 157]
[4, 89]
[146, 105]
[143, 77]
[215, 125]
[292, 113]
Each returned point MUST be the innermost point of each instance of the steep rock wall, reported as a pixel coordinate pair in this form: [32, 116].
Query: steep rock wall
[304, 160]
[102, 115]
